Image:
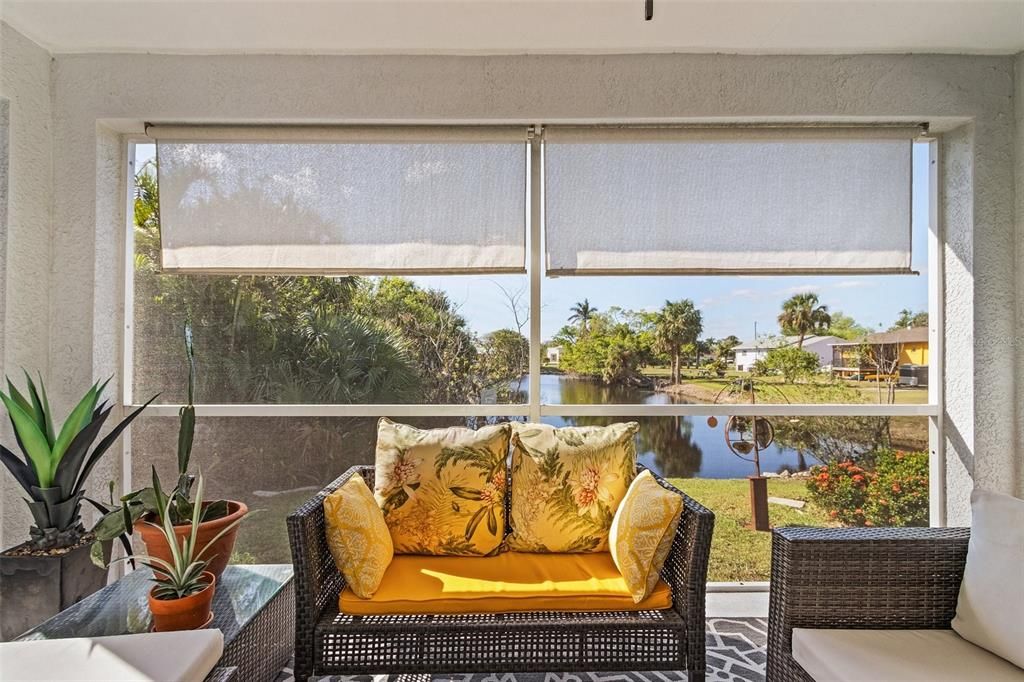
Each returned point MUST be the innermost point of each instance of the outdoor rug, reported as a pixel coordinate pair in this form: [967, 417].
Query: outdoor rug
[736, 652]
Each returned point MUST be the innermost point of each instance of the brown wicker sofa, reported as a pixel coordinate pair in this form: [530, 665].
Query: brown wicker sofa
[328, 642]
[860, 579]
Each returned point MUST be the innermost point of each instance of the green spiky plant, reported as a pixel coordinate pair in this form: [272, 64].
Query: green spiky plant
[183, 574]
[119, 521]
[56, 463]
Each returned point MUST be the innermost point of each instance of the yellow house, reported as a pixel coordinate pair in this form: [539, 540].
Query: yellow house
[903, 352]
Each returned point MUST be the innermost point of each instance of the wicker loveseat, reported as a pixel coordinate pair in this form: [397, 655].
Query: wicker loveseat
[328, 642]
[893, 579]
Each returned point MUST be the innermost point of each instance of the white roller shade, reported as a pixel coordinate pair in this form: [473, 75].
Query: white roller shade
[342, 201]
[727, 200]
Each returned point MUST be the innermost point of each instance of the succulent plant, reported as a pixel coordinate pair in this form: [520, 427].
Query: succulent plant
[55, 463]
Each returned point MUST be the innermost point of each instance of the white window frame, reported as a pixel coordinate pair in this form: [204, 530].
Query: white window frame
[533, 409]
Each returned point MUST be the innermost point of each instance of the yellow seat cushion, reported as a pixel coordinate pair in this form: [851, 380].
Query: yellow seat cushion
[505, 583]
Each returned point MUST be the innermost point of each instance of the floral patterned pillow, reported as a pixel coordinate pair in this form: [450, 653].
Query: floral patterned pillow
[442, 491]
[567, 484]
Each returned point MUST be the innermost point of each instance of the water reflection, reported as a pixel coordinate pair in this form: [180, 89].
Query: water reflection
[679, 447]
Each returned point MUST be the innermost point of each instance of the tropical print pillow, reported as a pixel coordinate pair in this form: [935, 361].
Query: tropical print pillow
[442, 491]
[567, 484]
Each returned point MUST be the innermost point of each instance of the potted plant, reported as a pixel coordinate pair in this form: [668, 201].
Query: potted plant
[51, 571]
[183, 593]
[140, 508]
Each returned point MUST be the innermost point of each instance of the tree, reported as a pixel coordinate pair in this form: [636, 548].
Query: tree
[845, 327]
[908, 320]
[791, 362]
[582, 313]
[504, 358]
[801, 315]
[723, 349]
[678, 324]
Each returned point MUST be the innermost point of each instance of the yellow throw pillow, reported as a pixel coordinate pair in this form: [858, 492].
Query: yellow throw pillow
[357, 536]
[567, 484]
[642, 533]
[442, 490]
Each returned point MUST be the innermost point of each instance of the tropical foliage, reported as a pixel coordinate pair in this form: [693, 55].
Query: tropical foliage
[676, 326]
[801, 315]
[183, 574]
[790, 362]
[56, 462]
[581, 314]
[891, 490]
[909, 319]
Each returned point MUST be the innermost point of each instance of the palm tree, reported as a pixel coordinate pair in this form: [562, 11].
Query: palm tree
[678, 324]
[581, 314]
[802, 315]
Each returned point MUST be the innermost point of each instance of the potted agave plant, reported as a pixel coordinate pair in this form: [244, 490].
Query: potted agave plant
[52, 570]
[139, 509]
[184, 585]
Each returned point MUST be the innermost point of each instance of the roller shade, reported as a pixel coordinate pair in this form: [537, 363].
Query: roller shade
[342, 200]
[728, 200]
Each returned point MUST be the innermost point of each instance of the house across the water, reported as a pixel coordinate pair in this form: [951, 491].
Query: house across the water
[749, 352]
[903, 353]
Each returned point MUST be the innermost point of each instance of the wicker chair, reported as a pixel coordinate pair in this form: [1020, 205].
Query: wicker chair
[859, 578]
[328, 642]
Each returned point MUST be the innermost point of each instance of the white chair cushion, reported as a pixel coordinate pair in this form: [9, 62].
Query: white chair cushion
[159, 656]
[990, 610]
[897, 656]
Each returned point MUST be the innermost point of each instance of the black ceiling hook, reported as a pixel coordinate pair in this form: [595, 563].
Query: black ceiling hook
[648, 10]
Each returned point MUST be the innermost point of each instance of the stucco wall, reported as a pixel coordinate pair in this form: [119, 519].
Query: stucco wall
[24, 278]
[1018, 100]
[969, 100]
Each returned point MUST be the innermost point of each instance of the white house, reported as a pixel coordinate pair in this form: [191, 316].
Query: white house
[749, 352]
[554, 354]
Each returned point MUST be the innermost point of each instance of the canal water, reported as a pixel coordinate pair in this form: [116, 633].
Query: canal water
[684, 447]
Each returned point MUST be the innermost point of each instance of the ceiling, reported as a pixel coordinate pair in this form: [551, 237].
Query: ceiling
[520, 26]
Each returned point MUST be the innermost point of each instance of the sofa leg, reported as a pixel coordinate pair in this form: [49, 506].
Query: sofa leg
[695, 675]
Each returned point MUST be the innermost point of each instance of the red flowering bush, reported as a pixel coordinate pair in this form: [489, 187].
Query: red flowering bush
[893, 493]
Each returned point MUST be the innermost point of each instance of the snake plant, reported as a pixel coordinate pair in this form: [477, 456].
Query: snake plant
[55, 463]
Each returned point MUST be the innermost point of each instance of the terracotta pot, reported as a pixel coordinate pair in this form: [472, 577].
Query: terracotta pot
[218, 555]
[187, 613]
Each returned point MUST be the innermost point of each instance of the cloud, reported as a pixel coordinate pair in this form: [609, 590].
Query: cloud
[853, 284]
[799, 289]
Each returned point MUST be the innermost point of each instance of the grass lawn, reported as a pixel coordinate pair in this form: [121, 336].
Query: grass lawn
[737, 552]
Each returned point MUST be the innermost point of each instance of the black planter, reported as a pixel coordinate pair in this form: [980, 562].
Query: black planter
[34, 588]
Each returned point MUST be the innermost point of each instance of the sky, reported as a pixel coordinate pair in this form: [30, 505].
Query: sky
[730, 304]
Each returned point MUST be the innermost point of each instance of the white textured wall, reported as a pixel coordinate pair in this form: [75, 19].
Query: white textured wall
[1018, 99]
[969, 99]
[24, 279]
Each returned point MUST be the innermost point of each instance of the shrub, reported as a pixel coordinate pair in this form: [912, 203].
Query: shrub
[895, 493]
[791, 362]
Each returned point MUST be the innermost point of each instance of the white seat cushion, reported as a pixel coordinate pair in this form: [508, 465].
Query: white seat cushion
[159, 656]
[897, 656]
[990, 609]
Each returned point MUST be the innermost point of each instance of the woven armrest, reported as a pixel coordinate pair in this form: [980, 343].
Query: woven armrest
[318, 582]
[686, 568]
[866, 578]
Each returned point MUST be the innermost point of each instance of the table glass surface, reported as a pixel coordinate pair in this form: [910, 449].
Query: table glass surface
[122, 608]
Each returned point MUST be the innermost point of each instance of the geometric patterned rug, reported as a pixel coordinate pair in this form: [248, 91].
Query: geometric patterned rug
[735, 653]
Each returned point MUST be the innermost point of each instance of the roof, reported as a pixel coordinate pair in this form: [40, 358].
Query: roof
[769, 342]
[912, 335]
